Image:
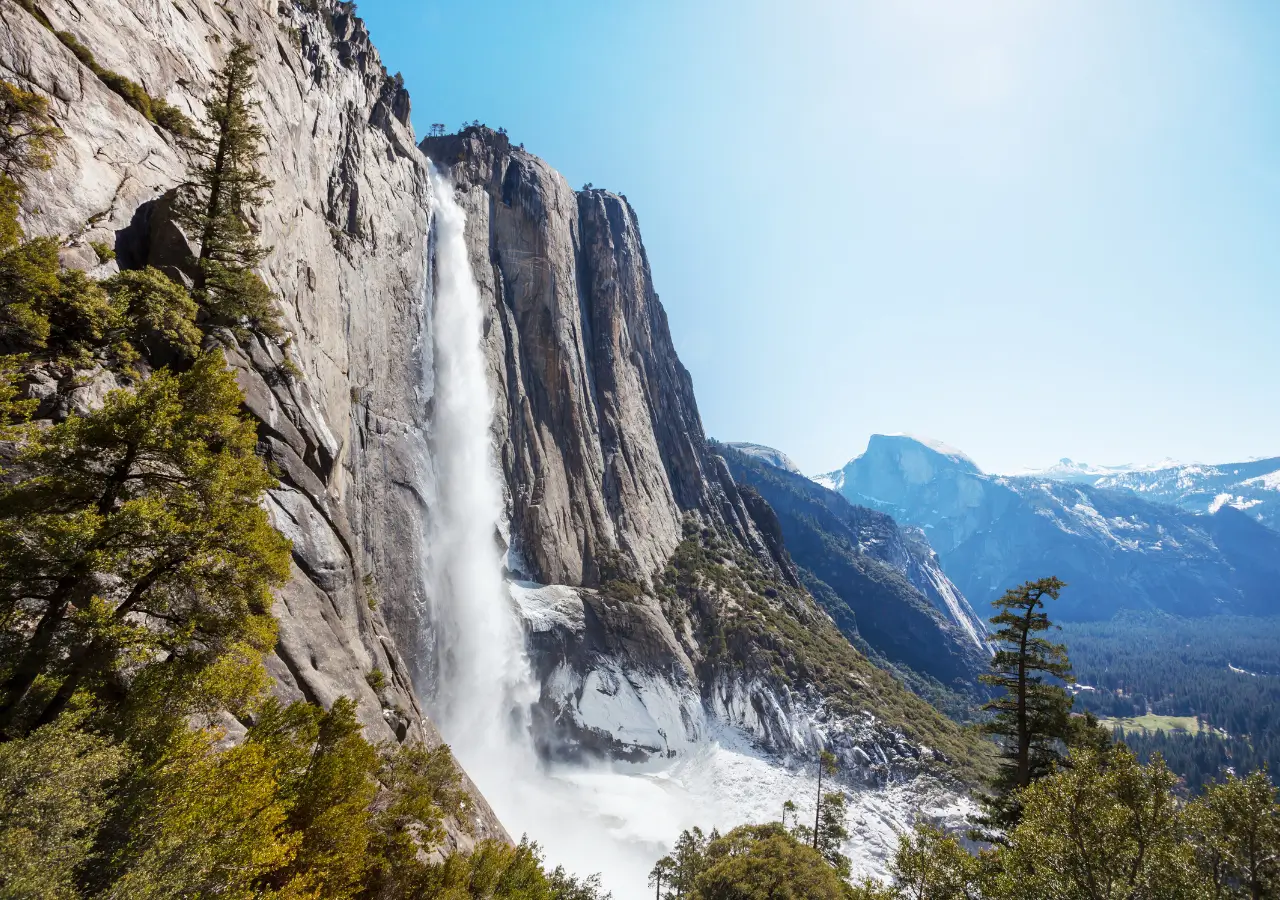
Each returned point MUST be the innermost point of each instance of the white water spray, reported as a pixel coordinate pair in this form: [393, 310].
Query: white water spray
[616, 820]
[484, 676]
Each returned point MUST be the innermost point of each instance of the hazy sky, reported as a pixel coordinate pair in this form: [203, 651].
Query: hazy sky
[1029, 229]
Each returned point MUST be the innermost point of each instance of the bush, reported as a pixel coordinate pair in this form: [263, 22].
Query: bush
[154, 110]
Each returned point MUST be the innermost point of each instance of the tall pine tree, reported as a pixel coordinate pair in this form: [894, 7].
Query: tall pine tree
[226, 186]
[1032, 720]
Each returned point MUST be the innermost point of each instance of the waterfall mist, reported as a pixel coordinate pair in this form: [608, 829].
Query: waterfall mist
[613, 819]
[484, 685]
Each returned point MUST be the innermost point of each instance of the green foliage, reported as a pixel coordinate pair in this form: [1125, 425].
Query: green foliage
[1235, 830]
[153, 109]
[762, 862]
[197, 823]
[103, 251]
[832, 832]
[54, 786]
[1032, 715]
[1104, 827]
[156, 494]
[159, 314]
[225, 188]
[28, 136]
[930, 865]
[239, 299]
[498, 871]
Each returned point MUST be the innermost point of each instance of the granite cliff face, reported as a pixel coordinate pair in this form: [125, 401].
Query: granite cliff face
[347, 221]
[614, 494]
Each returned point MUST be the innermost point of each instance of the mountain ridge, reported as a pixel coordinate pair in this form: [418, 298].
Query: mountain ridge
[1118, 549]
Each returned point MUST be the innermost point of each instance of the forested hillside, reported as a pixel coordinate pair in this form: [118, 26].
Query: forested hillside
[1223, 670]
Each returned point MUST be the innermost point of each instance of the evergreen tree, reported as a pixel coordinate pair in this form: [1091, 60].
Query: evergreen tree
[226, 187]
[54, 790]
[661, 874]
[833, 832]
[134, 534]
[765, 862]
[1032, 719]
[826, 766]
[1104, 827]
[690, 858]
[931, 865]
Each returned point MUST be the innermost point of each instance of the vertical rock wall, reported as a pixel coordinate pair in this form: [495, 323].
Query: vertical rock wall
[346, 221]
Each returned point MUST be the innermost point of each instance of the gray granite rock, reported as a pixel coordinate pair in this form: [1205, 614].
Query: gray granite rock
[346, 221]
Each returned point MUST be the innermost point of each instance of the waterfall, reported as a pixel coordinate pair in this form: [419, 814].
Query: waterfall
[612, 819]
[483, 677]
[590, 820]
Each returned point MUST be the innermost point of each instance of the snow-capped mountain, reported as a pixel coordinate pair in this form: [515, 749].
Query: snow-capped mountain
[1103, 534]
[1067, 469]
[1252, 487]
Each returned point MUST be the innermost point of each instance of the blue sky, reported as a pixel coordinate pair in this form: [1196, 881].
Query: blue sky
[1031, 230]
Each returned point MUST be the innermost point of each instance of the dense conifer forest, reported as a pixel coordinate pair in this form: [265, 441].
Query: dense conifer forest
[1224, 671]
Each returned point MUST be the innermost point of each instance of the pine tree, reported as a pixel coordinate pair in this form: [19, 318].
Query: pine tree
[134, 533]
[1032, 718]
[226, 186]
[826, 766]
[833, 832]
[661, 874]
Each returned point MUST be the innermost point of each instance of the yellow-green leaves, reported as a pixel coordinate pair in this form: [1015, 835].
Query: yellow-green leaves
[160, 314]
[151, 504]
[53, 795]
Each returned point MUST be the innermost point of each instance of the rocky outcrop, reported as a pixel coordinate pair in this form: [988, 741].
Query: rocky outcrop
[347, 222]
[598, 431]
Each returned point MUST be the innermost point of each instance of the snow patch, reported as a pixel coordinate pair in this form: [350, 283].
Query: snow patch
[1268, 482]
[545, 607]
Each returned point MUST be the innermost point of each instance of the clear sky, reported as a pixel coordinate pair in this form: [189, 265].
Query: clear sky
[1029, 229]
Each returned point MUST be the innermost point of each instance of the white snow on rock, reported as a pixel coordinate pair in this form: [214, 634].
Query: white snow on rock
[1269, 481]
[725, 782]
[547, 606]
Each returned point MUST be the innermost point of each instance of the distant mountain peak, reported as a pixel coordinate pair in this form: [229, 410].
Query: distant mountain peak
[775, 458]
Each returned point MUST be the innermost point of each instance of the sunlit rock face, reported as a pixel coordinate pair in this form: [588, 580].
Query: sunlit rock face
[347, 223]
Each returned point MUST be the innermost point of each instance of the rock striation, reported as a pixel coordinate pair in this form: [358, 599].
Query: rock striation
[347, 223]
